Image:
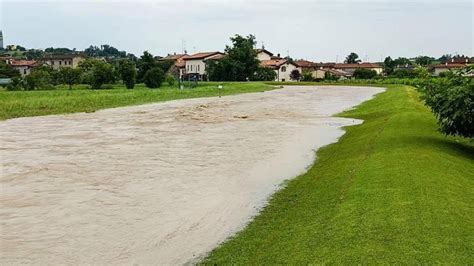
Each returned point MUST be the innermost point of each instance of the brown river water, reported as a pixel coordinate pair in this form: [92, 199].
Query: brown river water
[160, 183]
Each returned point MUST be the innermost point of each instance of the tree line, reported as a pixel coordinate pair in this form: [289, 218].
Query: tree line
[98, 74]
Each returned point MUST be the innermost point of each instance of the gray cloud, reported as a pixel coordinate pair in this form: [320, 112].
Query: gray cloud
[317, 30]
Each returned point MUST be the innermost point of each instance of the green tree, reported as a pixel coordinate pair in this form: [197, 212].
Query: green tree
[295, 74]
[38, 79]
[154, 77]
[388, 65]
[70, 76]
[96, 73]
[7, 71]
[34, 54]
[145, 63]
[363, 73]
[403, 73]
[423, 60]
[352, 58]
[128, 73]
[240, 62]
[165, 65]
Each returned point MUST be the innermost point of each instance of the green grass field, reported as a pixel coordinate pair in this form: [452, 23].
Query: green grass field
[34, 103]
[392, 190]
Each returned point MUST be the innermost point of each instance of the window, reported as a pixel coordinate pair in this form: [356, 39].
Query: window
[283, 69]
[198, 68]
[59, 62]
[24, 71]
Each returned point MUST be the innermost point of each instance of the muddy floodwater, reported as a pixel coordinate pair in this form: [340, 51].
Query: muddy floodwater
[159, 183]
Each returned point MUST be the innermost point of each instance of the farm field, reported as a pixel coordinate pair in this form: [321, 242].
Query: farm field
[81, 99]
[392, 190]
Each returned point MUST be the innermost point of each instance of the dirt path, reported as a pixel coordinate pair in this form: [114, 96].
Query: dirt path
[160, 183]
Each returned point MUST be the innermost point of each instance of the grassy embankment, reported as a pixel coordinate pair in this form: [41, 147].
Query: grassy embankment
[392, 190]
[34, 103]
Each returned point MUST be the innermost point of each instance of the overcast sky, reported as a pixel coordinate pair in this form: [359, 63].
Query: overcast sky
[315, 30]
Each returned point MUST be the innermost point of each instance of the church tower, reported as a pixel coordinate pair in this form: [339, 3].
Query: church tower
[1, 39]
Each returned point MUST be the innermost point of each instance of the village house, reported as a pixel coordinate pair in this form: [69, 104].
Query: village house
[350, 68]
[178, 68]
[195, 65]
[313, 68]
[263, 54]
[282, 68]
[22, 66]
[60, 61]
[451, 65]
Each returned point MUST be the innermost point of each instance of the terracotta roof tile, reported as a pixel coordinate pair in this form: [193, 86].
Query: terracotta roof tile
[273, 63]
[361, 65]
[451, 65]
[200, 55]
[22, 63]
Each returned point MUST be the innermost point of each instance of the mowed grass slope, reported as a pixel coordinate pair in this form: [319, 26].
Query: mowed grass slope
[34, 103]
[392, 190]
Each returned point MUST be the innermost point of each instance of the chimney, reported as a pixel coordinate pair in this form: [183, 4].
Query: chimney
[278, 55]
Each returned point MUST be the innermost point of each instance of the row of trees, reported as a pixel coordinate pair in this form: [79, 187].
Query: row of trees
[96, 73]
[105, 50]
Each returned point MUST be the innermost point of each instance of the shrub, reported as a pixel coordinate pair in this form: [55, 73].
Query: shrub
[170, 79]
[7, 71]
[452, 102]
[264, 74]
[295, 74]
[154, 77]
[96, 73]
[363, 73]
[38, 80]
[307, 76]
[16, 84]
[128, 73]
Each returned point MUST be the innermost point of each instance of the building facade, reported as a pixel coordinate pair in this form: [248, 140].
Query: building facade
[263, 54]
[23, 66]
[350, 68]
[282, 68]
[195, 65]
[61, 61]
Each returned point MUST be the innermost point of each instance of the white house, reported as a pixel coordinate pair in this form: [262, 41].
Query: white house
[195, 65]
[22, 66]
[263, 54]
[282, 68]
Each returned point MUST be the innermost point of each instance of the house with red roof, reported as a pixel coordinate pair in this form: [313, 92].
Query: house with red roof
[23, 66]
[195, 64]
[282, 68]
[350, 68]
[307, 66]
[177, 70]
[451, 65]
